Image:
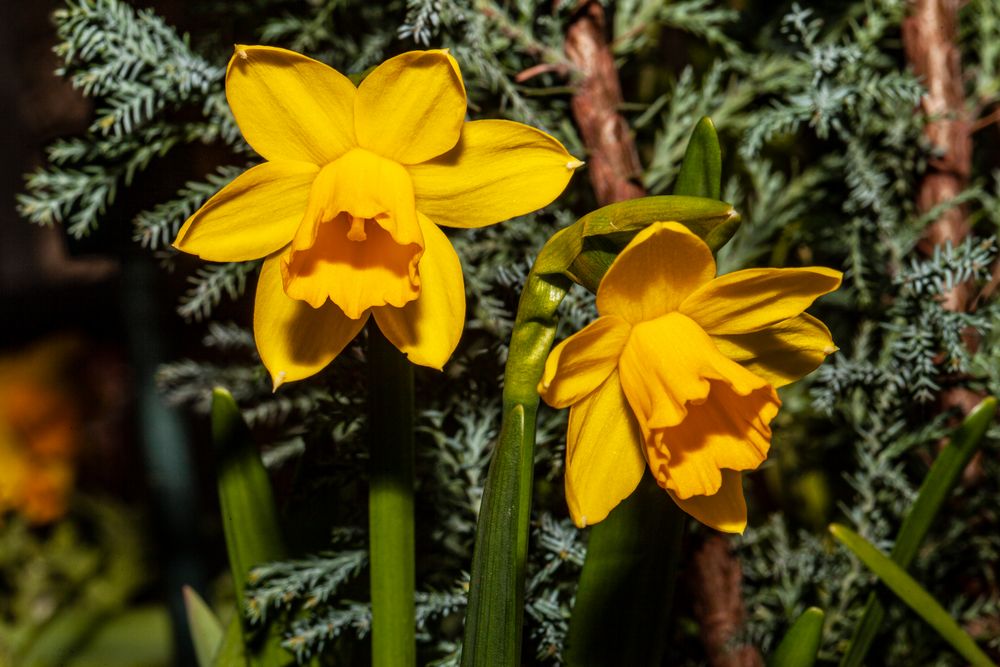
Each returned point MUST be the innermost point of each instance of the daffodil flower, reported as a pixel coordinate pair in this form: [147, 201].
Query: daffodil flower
[347, 206]
[679, 373]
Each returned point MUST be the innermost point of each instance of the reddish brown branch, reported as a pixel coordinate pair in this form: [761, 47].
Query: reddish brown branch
[716, 578]
[613, 162]
[930, 36]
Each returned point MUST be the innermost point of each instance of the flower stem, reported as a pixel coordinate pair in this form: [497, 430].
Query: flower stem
[496, 597]
[390, 503]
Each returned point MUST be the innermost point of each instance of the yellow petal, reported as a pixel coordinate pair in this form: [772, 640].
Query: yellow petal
[781, 353]
[411, 108]
[290, 107]
[752, 299]
[603, 453]
[294, 339]
[726, 431]
[669, 363]
[662, 265]
[427, 330]
[251, 217]
[356, 266]
[579, 364]
[725, 510]
[498, 170]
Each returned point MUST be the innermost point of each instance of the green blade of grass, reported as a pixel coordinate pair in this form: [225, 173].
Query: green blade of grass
[249, 515]
[206, 630]
[936, 488]
[912, 594]
[631, 567]
[495, 613]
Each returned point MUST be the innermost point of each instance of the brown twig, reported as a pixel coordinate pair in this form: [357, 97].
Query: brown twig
[930, 37]
[716, 575]
[613, 159]
[543, 68]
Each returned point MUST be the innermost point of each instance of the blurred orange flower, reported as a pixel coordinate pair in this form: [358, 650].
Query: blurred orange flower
[39, 432]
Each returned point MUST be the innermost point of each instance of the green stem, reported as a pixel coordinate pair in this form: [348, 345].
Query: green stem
[390, 503]
[627, 584]
[496, 597]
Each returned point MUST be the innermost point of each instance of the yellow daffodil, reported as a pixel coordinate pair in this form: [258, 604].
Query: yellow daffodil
[347, 206]
[679, 373]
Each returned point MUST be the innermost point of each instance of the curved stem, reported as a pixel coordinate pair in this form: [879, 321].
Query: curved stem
[496, 597]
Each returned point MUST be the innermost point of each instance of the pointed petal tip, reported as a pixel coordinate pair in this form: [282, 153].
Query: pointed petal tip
[277, 380]
[574, 164]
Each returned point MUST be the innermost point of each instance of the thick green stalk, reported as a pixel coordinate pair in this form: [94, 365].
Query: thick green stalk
[627, 585]
[937, 486]
[496, 597]
[390, 503]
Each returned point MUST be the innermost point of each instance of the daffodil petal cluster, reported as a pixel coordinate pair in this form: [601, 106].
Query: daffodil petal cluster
[346, 209]
[679, 372]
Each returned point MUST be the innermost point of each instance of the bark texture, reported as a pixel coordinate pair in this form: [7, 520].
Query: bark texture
[930, 37]
[613, 164]
[716, 576]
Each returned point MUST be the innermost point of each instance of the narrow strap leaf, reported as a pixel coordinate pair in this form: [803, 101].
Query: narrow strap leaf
[913, 594]
[206, 630]
[701, 170]
[249, 514]
[936, 488]
[627, 584]
[800, 645]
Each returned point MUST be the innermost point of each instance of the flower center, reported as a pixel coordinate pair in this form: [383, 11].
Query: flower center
[359, 242]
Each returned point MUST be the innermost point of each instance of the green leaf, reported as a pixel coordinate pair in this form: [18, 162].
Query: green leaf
[631, 568]
[137, 636]
[936, 488]
[913, 594]
[206, 630]
[800, 645]
[701, 170]
[941, 479]
[249, 515]
[232, 653]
